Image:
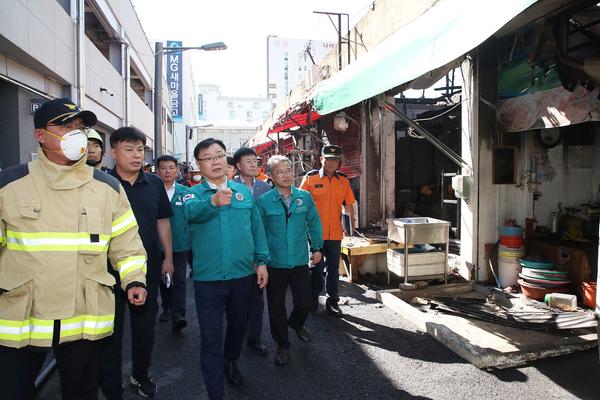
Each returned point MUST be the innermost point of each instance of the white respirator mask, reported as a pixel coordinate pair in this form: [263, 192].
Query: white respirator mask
[73, 144]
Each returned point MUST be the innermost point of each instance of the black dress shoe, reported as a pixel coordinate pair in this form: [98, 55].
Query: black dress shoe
[333, 307]
[179, 324]
[258, 348]
[303, 335]
[232, 373]
[282, 357]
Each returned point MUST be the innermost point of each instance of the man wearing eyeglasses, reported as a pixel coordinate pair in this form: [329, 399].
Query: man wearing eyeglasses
[60, 220]
[230, 257]
[291, 219]
[246, 163]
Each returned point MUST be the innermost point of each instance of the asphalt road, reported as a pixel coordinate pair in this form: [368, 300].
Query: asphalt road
[370, 353]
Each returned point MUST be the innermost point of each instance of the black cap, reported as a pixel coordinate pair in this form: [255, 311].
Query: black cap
[241, 152]
[331, 151]
[60, 111]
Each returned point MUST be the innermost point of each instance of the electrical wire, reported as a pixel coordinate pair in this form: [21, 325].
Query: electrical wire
[441, 114]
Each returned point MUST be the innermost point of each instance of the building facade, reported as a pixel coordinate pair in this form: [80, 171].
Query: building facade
[229, 118]
[93, 51]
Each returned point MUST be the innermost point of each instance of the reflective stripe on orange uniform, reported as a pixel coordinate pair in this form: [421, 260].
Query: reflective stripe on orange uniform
[329, 194]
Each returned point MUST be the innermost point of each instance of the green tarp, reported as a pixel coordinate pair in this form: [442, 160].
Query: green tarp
[449, 29]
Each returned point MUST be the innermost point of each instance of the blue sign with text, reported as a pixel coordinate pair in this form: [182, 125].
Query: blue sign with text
[174, 75]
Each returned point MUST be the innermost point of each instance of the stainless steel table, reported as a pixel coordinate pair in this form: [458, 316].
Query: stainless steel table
[419, 230]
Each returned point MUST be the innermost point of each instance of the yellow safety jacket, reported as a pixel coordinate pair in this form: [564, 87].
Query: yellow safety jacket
[58, 224]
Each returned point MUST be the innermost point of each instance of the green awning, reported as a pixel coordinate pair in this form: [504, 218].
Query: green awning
[446, 31]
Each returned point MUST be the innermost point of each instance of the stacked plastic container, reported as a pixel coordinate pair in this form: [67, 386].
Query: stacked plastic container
[539, 278]
[510, 250]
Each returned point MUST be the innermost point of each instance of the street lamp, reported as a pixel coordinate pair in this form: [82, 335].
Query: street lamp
[188, 136]
[158, 72]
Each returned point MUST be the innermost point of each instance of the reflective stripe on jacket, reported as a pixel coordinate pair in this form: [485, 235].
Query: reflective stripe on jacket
[58, 226]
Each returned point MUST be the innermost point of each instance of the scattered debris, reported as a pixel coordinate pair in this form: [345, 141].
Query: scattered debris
[522, 313]
[420, 301]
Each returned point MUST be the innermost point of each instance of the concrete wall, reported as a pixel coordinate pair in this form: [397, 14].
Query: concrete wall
[44, 35]
[491, 205]
[30, 77]
[134, 33]
[386, 17]
[38, 50]
[570, 186]
[469, 141]
[140, 115]
[141, 53]
[372, 168]
[100, 73]
[497, 203]
[486, 206]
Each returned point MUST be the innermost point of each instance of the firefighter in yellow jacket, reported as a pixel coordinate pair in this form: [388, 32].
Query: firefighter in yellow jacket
[59, 220]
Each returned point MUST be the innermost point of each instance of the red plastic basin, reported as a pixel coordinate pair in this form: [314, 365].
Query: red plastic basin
[511, 241]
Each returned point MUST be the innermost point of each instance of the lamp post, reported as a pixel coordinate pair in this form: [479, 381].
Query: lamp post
[188, 136]
[159, 51]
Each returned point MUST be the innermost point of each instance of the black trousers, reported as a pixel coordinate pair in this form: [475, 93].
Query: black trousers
[77, 366]
[298, 279]
[143, 321]
[213, 300]
[173, 298]
[330, 263]
[255, 318]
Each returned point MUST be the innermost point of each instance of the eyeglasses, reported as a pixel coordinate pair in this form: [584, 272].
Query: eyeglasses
[70, 126]
[283, 172]
[218, 158]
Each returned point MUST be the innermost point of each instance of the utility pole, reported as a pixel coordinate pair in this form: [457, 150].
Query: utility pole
[338, 29]
[339, 32]
[307, 50]
[158, 74]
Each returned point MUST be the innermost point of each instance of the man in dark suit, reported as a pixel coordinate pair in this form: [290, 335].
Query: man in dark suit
[245, 161]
